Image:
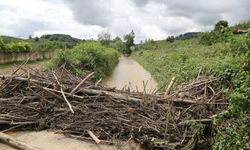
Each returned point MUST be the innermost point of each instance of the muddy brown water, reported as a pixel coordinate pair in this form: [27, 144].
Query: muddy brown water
[130, 74]
[127, 73]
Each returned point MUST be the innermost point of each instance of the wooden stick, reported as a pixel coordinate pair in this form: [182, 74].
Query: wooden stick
[70, 107]
[188, 122]
[16, 143]
[113, 94]
[170, 85]
[91, 134]
[85, 79]
[26, 79]
[98, 82]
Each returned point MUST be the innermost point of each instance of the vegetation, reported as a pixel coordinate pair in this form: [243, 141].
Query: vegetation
[45, 43]
[221, 24]
[14, 47]
[170, 39]
[221, 33]
[91, 56]
[60, 37]
[129, 42]
[149, 44]
[218, 53]
[104, 38]
[188, 35]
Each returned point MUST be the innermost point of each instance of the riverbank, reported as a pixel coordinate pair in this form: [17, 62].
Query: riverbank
[228, 61]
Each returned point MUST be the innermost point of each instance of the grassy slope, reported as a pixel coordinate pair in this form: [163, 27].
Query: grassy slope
[183, 59]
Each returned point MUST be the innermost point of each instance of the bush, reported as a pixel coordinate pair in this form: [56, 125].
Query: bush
[2, 46]
[16, 47]
[170, 39]
[91, 56]
[149, 44]
[210, 38]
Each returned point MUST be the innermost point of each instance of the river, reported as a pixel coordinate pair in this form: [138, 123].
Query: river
[130, 74]
[127, 73]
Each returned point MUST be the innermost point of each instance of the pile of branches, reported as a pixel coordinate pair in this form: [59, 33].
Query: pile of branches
[82, 109]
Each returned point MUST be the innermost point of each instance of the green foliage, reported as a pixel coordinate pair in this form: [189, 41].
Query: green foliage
[38, 44]
[129, 42]
[243, 25]
[15, 47]
[210, 38]
[170, 39]
[60, 38]
[221, 24]
[149, 44]
[118, 44]
[188, 35]
[228, 59]
[36, 39]
[104, 38]
[2, 46]
[9, 39]
[233, 132]
[91, 56]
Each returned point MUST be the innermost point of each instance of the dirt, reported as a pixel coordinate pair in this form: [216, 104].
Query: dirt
[9, 68]
[50, 141]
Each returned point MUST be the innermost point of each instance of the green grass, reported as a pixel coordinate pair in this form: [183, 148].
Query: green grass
[183, 59]
[87, 56]
[228, 60]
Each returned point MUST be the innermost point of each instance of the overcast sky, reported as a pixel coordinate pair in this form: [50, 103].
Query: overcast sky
[87, 18]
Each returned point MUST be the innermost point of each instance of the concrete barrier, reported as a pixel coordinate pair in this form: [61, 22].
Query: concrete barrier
[13, 57]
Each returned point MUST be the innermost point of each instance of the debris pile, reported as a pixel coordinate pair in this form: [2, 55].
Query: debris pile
[82, 109]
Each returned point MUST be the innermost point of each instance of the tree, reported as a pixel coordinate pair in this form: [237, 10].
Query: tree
[170, 39]
[117, 39]
[36, 39]
[129, 42]
[104, 37]
[30, 37]
[221, 24]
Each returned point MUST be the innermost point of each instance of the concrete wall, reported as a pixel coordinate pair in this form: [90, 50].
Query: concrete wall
[8, 58]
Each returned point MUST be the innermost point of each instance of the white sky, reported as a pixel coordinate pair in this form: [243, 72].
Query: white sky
[86, 18]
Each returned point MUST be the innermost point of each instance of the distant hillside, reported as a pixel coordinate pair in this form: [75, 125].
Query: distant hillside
[9, 39]
[60, 37]
[244, 25]
[45, 43]
[188, 35]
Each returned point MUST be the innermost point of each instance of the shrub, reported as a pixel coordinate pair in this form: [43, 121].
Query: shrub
[149, 44]
[17, 47]
[170, 39]
[2, 46]
[91, 56]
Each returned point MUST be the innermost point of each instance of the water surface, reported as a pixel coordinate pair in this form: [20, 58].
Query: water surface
[129, 73]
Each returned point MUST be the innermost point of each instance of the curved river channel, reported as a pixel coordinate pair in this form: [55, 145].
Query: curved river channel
[127, 74]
